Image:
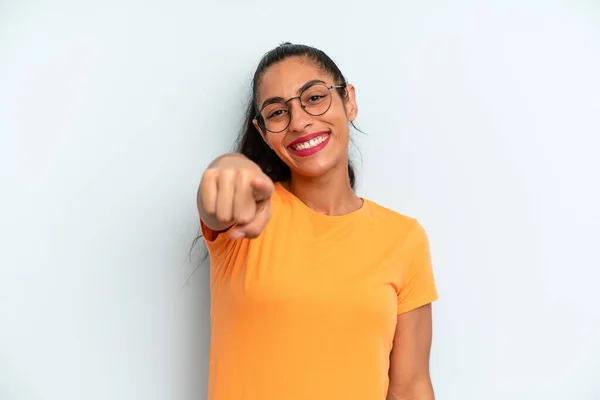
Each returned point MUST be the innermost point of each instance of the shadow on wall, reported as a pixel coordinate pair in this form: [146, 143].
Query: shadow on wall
[196, 294]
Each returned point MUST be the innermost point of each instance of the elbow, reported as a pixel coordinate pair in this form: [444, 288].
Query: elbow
[421, 389]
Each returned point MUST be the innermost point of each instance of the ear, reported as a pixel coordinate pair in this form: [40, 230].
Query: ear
[350, 103]
[263, 134]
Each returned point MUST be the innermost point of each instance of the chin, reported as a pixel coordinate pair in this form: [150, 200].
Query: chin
[315, 167]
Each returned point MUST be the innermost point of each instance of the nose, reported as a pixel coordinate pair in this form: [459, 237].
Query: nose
[299, 118]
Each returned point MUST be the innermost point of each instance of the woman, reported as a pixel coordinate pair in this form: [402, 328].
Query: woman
[317, 294]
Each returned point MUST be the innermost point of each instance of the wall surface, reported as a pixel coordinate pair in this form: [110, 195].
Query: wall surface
[481, 120]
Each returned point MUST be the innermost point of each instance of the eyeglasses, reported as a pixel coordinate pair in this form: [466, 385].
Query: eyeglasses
[316, 100]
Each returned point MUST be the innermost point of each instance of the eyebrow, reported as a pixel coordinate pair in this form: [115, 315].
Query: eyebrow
[308, 84]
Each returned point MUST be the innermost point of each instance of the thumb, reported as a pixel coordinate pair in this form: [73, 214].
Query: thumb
[262, 188]
[254, 228]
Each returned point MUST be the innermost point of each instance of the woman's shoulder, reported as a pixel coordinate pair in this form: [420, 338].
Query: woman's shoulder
[280, 194]
[391, 219]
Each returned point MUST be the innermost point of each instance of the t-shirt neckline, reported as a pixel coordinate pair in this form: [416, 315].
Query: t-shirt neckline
[286, 193]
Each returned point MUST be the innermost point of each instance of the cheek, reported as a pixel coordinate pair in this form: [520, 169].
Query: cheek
[276, 142]
[338, 116]
[341, 126]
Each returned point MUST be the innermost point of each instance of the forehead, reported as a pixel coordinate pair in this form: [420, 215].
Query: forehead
[285, 78]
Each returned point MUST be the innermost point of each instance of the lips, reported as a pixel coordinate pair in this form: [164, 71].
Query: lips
[309, 144]
[307, 138]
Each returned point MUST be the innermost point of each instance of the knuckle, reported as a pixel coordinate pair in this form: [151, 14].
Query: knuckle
[243, 179]
[245, 175]
[228, 173]
[209, 174]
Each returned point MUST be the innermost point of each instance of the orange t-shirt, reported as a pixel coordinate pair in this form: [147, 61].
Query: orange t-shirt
[308, 310]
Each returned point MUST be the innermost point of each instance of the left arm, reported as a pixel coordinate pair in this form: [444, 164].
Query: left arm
[409, 361]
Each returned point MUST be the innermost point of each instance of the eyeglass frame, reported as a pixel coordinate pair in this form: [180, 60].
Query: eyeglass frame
[259, 117]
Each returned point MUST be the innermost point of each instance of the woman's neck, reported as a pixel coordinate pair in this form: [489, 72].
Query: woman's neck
[330, 194]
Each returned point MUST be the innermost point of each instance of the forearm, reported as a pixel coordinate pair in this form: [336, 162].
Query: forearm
[416, 390]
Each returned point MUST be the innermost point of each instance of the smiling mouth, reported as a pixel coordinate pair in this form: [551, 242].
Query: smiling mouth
[309, 144]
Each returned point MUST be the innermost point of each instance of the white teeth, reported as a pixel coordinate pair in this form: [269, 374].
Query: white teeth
[311, 143]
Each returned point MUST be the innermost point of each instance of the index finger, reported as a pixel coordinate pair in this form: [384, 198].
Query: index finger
[262, 188]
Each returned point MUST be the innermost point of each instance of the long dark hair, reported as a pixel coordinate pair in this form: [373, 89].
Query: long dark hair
[250, 142]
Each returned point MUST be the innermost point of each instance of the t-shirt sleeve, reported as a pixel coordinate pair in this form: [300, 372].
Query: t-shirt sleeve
[216, 242]
[417, 287]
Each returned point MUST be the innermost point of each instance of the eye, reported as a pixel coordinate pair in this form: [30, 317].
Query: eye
[315, 97]
[276, 113]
